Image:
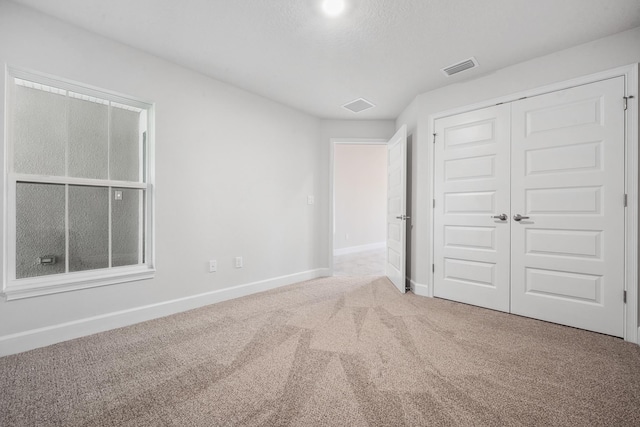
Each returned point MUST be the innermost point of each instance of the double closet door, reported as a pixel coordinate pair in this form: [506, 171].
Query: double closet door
[529, 207]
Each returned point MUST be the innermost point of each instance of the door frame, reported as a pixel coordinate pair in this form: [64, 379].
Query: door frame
[631, 142]
[332, 144]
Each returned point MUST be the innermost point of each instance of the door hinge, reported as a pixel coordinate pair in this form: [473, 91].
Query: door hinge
[434, 138]
[626, 103]
[434, 203]
[433, 268]
[624, 297]
[625, 200]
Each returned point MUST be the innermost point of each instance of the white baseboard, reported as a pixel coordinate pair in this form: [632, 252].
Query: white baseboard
[419, 289]
[41, 337]
[361, 248]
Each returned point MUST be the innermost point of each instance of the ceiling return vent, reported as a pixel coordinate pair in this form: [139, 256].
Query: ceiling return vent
[467, 64]
[358, 105]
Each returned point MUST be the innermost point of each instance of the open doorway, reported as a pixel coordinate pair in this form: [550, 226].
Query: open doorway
[359, 208]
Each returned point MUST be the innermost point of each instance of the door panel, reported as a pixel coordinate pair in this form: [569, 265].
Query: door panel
[567, 176]
[472, 252]
[396, 208]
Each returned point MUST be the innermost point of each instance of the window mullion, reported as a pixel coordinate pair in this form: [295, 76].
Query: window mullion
[66, 228]
[110, 228]
[66, 146]
[109, 142]
[110, 249]
[66, 187]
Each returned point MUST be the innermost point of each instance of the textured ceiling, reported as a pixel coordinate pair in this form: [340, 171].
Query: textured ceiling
[386, 51]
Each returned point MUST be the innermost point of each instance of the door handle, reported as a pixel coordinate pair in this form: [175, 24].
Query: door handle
[403, 217]
[501, 217]
[518, 217]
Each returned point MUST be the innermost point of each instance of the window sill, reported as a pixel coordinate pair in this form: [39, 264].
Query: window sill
[47, 285]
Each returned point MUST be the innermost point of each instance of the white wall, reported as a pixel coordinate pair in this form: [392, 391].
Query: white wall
[603, 54]
[233, 174]
[360, 195]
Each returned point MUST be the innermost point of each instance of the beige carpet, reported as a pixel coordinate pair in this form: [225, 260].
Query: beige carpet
[342, 351]
[366, 263]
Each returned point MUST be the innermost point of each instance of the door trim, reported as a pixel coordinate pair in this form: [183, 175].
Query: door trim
[630, 74]
[332, 144]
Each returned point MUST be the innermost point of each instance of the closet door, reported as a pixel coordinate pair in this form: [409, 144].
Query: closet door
[471, 214]
[568, 185]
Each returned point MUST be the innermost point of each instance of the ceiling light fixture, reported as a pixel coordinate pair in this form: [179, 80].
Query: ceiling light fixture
[333, 7]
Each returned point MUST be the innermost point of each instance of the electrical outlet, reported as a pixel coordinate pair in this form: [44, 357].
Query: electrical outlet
[310, 200]
[238, 262]
[213, 266]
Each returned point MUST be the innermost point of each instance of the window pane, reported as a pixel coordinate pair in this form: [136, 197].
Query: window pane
[88, 228]
[126, 217]
[39, 131]
[39, 229]
[125, 145]
[88, 139]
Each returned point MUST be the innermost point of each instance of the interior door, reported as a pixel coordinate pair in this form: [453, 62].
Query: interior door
[396, 207]
[568, 185]
[471, 212]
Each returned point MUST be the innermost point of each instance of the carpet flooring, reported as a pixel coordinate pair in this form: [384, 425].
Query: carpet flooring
[341, 351]
[366, 263]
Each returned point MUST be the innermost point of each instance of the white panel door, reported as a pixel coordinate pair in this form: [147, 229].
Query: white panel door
[568, 180]
[396, 207]
[471, 241]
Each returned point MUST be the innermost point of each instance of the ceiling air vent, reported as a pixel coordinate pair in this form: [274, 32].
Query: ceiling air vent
[460, 67]
[358, 105]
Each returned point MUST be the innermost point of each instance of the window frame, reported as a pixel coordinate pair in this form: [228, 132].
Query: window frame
[14, 288]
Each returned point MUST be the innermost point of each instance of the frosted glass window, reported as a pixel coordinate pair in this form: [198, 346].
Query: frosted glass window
[39, 131]
[40, 231]
[88, 228]
[126, 216]
[88, 139]
[78, 183]
[124, 148]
